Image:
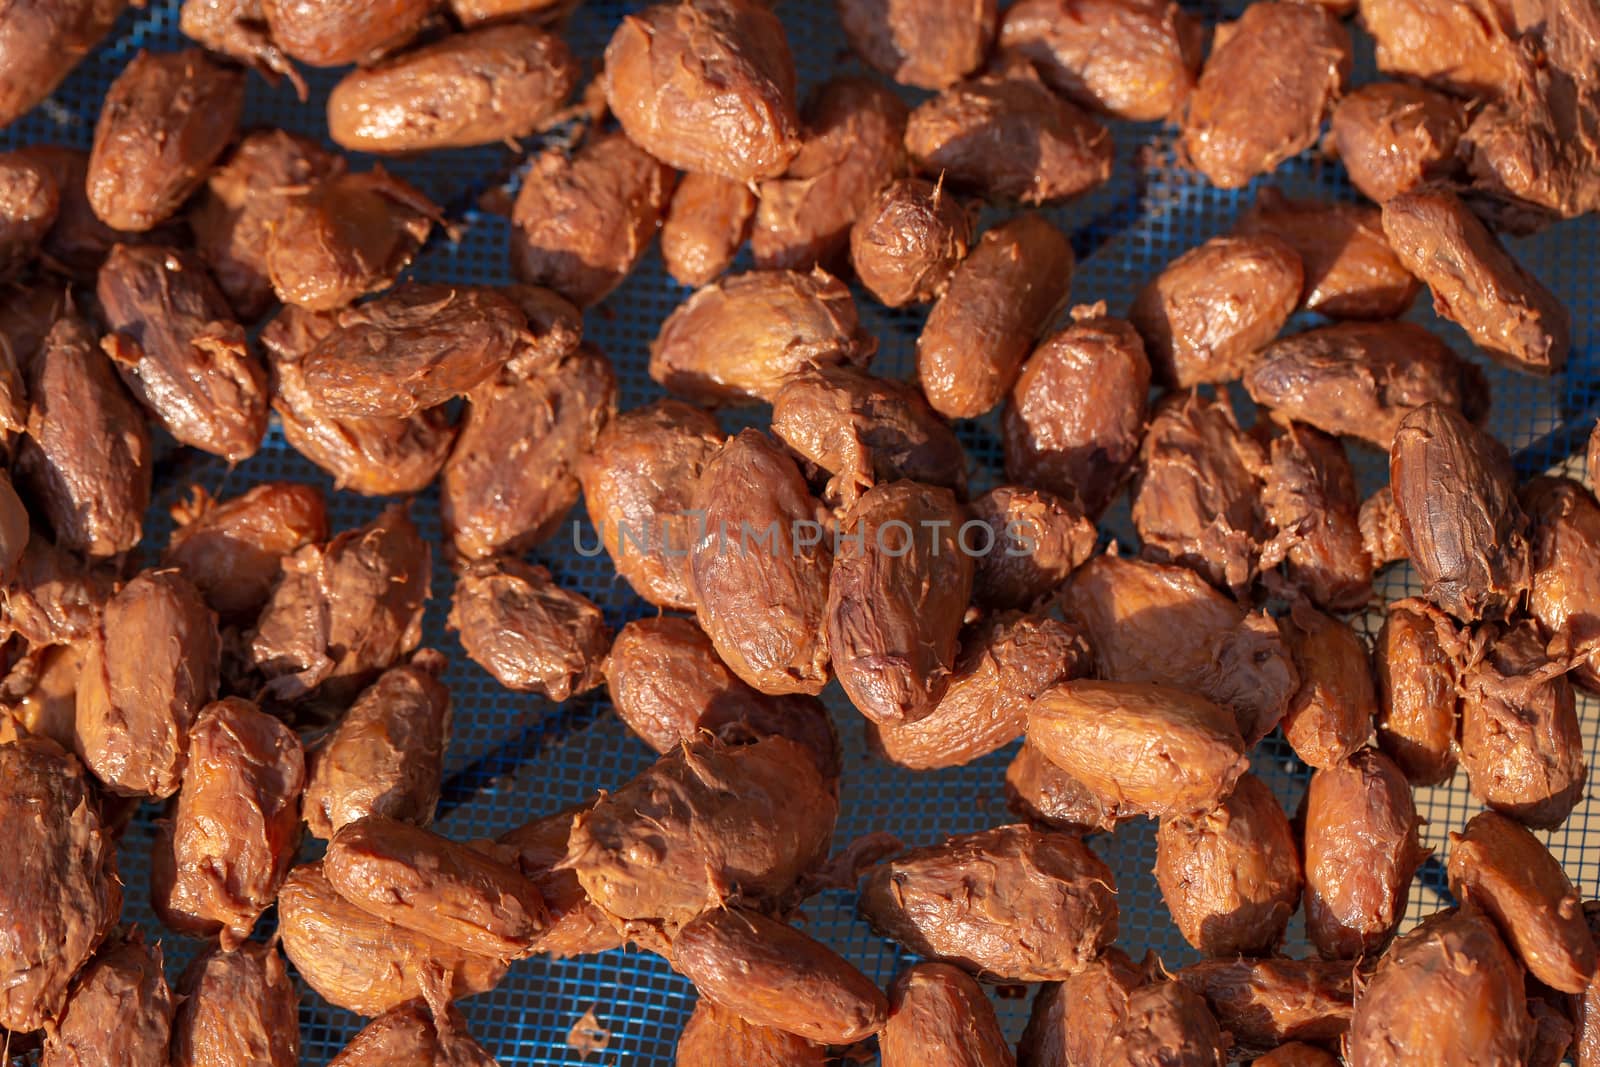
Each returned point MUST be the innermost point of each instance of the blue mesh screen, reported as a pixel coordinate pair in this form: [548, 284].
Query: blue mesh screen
[514, 757]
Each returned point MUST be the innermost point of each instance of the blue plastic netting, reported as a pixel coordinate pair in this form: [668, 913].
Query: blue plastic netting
[514, 757]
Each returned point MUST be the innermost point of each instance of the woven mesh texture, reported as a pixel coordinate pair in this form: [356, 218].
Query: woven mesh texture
[513, 757]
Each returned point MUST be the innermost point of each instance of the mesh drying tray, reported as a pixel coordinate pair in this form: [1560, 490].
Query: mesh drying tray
[513, 757]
